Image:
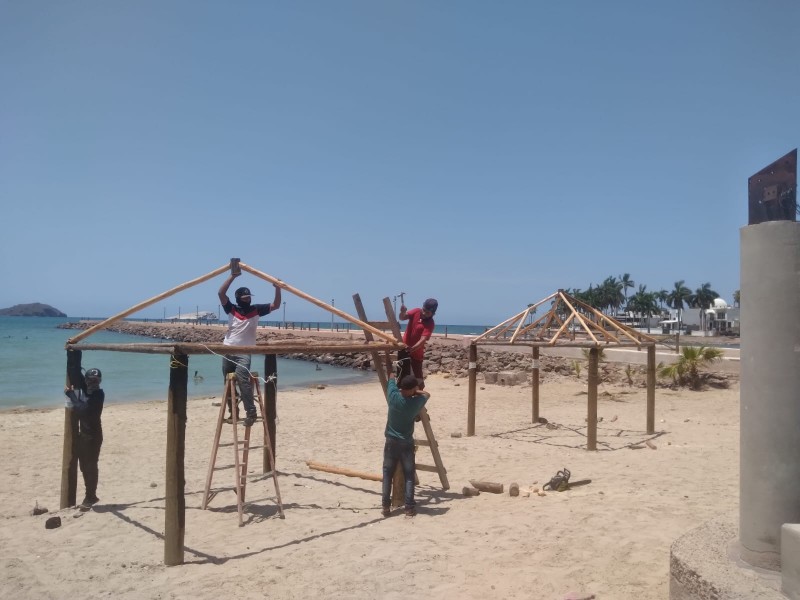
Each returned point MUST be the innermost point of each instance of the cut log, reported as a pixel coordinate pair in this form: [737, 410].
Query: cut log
[468, 491]
[513, 489]
[487, 486]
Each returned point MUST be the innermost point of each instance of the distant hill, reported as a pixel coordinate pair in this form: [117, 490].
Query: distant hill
[36, 309]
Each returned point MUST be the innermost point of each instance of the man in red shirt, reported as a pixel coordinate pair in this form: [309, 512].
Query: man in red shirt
[418, 331]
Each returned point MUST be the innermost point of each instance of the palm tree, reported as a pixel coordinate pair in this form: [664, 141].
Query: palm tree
[679, 297]
[688, 366]
[612, 296]
[643, 303]
[661, 296]
[627, 282]
[703, 299]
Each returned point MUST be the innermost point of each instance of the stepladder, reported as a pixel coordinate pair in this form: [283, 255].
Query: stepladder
[242, 447]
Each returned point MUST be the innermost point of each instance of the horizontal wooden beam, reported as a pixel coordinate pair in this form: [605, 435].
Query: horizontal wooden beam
[341, 471]
[272, 347]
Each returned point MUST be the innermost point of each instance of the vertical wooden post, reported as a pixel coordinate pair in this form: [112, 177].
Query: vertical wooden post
[270, 404]
[591, 430]
[651, 388]
[175, 501]
[535, 386]
[473, 380]
[69, 457]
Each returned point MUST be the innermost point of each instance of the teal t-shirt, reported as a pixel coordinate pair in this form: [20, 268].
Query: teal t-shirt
[402, 412]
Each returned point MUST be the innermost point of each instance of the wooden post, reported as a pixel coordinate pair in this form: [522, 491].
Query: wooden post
[175, 501]
[651, 388]
[535, 386]
[270, 404]
[69, 458]
[376, 359]
[591, 430]
[473, 380]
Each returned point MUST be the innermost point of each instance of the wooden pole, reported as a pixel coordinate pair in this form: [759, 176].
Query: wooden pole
[535, 386]
[145, 304]
[341, 471]
[591, 430]
[376, 357]
[473, 380]
[69, 458]
[270, 404]
[651, 388]
[320, 303]
[175, 500]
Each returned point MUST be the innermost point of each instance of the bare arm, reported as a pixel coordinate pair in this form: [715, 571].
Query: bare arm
[223, 289]
[276, 303]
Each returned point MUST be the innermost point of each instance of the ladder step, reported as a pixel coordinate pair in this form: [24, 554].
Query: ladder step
[422, 443]
[429, 468]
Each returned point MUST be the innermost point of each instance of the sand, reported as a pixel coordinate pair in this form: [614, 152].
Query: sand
[610, 538]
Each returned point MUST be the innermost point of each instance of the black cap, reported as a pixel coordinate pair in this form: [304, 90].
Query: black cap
[242, 291]
[431, 304]
[94, 373]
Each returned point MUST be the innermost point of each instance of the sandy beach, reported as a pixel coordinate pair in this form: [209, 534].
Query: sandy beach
[610, 538]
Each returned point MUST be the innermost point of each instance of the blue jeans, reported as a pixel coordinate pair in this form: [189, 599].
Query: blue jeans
[398, 451]
[240, 364]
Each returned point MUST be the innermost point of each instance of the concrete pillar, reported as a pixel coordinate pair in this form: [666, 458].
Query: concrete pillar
[769, 493]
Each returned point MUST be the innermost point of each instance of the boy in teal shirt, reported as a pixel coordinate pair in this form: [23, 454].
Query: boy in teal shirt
[405, 403]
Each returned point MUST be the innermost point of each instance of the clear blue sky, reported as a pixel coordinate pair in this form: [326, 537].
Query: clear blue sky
[483, 153]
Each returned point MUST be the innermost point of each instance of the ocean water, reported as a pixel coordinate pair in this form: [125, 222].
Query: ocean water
[33, 367]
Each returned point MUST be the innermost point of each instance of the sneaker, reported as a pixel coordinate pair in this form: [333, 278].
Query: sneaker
[410, 511]
[249, 420]
[89, 501]
[386, 511]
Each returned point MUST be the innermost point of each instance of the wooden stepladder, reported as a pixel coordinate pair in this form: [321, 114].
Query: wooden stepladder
[380, 367]
[241, 448]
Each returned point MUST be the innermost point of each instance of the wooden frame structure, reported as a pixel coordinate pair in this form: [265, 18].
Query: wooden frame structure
[179, 352]
[568, 322]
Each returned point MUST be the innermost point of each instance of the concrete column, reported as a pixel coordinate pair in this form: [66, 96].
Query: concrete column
[769, 493]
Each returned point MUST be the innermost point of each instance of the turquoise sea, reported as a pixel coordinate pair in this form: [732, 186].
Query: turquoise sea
[33, 367]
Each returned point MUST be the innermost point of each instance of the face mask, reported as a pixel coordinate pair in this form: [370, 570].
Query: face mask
[92, 384]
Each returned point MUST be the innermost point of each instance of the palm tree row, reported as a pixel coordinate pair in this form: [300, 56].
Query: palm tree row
[612, 294]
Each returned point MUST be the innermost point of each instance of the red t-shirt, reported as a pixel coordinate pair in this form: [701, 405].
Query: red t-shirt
[417, 328]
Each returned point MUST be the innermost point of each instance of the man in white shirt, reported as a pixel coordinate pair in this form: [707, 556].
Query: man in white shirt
[242, 328]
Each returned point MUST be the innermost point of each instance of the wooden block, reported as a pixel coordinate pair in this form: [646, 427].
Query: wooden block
[488, 486]
[513, 489]
[468, 491]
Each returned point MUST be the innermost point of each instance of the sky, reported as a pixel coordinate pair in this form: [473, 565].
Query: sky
[482, 153]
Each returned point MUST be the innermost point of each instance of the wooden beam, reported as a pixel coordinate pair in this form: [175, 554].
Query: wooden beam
[271, 347]
[292, 290]
[145, 304]
[591, 418]
[535, 387]
[270, 405]
[175, 500]
[342, 471]
[380, 368]
[651, 388]
[471, 393]
[69, 457]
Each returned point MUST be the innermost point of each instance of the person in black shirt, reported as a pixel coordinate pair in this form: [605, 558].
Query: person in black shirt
[87, 402]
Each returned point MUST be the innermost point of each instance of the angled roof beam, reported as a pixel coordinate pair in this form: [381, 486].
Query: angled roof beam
[320, 303]
[145, 304]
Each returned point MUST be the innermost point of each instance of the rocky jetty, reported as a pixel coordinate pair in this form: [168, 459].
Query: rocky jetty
[35, 309]
[448, 357]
